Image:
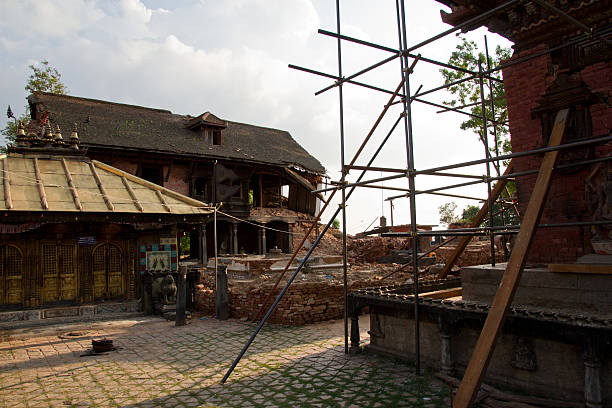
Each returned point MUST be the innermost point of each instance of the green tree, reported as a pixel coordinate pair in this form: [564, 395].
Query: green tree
[336, 223]
[467, 56]
[447, 213]
[469, 213]
[43, 78]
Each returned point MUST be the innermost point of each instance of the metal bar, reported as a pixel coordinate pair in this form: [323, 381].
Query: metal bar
[468, 105]
[467, 23]
[371, 168]
[386, 188]
[449, 108]
[361, 183]
[411, 183]
[344, 262]
[442, 174]
[485, 140]
[323, 74]
[518, 154]
[363, 71]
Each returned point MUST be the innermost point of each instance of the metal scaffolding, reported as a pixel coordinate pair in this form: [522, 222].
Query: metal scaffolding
[403, 96]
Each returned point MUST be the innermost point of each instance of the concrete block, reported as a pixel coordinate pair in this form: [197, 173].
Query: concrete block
[597, 283]
[88, 310]
[11, 316]
[60, 312]
[33, 314]
[541, 278]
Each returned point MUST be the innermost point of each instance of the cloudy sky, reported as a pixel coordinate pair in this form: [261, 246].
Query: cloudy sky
[230, 57]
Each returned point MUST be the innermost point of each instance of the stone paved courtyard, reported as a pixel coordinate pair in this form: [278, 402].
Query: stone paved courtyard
[160, 365]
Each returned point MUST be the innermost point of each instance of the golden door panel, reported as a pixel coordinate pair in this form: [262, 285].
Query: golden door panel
[50, 284]
[99, 271]
[59, 272]
[115, 276]
[11, 274]
[108, 271]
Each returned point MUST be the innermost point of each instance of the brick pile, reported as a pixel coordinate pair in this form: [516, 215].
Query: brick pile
[476, 253]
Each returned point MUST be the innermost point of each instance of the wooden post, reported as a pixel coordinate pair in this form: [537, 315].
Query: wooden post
[181, 296]
[478, 219]
[470, 384]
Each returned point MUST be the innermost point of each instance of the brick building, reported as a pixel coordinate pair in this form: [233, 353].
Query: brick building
[260, 175]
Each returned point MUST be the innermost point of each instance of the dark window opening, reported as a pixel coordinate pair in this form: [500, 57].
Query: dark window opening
[216, 137]
[154, 174]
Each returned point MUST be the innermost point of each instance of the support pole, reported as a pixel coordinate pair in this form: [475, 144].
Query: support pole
[181, 296]
[470, 384]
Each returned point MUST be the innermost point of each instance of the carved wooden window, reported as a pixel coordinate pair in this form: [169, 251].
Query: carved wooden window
[11, 274]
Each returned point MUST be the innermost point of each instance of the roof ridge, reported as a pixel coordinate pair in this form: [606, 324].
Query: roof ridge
[80, 98]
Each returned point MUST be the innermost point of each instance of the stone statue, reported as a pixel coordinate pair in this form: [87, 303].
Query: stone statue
[164, 290]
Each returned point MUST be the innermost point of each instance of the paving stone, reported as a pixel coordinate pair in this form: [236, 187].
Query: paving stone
[160, 365]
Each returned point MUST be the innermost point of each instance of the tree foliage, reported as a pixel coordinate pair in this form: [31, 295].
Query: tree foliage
[447, 213]
[468, 56]
[43, 78]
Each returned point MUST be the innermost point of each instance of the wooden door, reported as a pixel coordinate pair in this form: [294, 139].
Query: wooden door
[59, 272]
[11, 274]
[108, 271]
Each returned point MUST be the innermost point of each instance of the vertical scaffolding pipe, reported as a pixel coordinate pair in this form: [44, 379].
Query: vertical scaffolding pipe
[343, 179]
[493, 119]
[485, 140]
[411, 182]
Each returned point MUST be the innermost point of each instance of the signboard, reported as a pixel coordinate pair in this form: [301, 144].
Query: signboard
[167, 240]
[86, 241]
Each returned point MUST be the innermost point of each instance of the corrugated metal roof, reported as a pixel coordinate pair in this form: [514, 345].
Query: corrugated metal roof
[49, 183]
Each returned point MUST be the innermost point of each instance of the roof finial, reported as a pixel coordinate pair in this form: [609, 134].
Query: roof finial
[59, 140]
[48, 136]
[21, 136]
[74, 138]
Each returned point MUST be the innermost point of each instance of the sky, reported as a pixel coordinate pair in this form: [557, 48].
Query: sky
[231, 58]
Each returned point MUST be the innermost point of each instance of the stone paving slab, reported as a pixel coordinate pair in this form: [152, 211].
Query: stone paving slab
[159, 365]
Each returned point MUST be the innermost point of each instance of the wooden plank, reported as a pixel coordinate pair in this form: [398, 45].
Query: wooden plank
[109, 205]
[75, 194]
[132, 194]
[600, 269]
[470, 384]
[442, 294]
[478, 219]
[162, 200]
[7, 185]
[41, 187]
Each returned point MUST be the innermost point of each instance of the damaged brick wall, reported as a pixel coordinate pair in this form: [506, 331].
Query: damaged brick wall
[526, 84]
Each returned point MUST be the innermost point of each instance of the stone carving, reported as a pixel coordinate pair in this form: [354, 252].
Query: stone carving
[524, 355]
[598, 195]
[164, 290]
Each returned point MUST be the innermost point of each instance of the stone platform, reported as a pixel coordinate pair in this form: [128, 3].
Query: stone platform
[83, 311]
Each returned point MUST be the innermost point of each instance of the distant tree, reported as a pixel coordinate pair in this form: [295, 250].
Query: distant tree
[467, 56]
[469, 213]
[447, 213]
[44, 78]
[336, 223]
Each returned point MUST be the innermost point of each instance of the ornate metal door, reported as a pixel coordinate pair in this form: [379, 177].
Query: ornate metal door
[11, 274]
[108, 271]
[59, 272]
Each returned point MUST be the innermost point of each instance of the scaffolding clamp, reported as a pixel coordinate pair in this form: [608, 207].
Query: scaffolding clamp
[340, 81]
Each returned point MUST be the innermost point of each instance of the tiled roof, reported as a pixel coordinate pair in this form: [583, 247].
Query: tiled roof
[108, 124]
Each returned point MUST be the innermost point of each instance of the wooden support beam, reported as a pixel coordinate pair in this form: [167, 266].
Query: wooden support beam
[442, 294]
[41, 186]
[8, 201]
[132, 194]
[478, 219]
[109, 205]
[470, 384]
[162, 200]
[75, 194]
[599, 269]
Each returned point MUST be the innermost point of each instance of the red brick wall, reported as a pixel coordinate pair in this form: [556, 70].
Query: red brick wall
[526, 83]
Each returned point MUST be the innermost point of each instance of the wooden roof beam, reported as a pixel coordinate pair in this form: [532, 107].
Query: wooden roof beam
[132, 194]
[41, 187]
[161, 198]
[73, 190]
[101, 187]
[7, 186]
